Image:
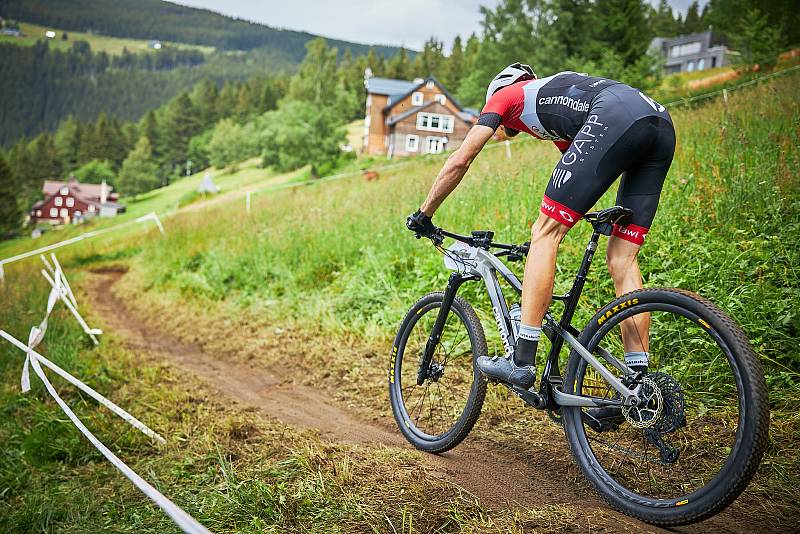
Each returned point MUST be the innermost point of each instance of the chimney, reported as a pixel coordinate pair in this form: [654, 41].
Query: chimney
[103, 192]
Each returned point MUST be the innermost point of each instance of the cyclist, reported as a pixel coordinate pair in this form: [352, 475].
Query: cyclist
[603, 128]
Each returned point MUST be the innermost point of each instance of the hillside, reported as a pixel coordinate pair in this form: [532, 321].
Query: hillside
[114, 46]
[156, 19]
[303, 297]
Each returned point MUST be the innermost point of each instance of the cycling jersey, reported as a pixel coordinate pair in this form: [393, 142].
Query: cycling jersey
[603, 128]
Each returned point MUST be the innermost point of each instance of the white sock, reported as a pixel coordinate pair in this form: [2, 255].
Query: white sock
[531, 333]
[637, 358]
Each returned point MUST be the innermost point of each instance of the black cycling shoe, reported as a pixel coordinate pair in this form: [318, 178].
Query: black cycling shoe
[505, 370]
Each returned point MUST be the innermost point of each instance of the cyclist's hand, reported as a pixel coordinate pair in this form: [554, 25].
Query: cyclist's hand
[420, 224]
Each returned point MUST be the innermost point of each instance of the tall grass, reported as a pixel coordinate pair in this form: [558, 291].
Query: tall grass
[338, 256]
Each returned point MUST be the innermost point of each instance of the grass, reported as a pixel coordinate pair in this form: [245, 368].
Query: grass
[33, 33]
[232, 182]
[333, 264]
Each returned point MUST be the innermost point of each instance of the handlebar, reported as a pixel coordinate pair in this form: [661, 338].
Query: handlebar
[481, 239]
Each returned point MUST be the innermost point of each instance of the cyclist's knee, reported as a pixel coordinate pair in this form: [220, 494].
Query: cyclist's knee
[548, 229]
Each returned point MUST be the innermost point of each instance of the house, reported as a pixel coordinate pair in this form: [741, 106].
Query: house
[72, 201]
[687, 53]
[412, 117]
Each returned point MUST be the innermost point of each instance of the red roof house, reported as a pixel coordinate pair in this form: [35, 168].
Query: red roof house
[65, 202]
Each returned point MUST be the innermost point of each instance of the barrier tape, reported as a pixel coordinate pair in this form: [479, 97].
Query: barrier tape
[684, 101]
[60, 291]
[183, 520]
[57, 283]
[152, 216]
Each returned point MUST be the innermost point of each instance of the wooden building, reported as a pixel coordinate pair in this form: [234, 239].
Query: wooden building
[418, 117]
[72, 201]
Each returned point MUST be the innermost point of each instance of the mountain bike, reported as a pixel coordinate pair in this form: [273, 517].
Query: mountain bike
[692, 427]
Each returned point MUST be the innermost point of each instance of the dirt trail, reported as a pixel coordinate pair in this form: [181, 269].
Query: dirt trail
[498, 476]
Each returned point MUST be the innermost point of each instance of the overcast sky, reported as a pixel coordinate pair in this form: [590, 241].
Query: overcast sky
[395, 22]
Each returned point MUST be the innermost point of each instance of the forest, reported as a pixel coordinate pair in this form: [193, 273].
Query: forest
[288, 121]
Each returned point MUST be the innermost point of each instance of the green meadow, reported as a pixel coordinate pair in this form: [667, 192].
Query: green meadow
[333, 260]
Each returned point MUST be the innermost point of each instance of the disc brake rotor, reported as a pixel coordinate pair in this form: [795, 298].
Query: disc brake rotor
[646, 413]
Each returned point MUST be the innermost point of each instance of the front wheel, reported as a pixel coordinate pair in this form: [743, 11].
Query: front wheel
[438, 414]
[694, 444]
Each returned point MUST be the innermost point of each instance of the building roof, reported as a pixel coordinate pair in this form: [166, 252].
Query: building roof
[394, 119]
[388, 86]
[394, 101]
[88, 191]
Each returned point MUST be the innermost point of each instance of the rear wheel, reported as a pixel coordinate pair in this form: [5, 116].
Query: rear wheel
[438, 414]
[697, 440]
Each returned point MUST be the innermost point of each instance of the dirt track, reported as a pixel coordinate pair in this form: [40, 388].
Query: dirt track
[499, 477]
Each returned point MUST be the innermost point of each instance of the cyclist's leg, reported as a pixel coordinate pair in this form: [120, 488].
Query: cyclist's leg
[608, 143]
[639, 190]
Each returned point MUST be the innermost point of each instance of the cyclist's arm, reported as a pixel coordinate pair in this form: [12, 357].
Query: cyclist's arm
[455, 167]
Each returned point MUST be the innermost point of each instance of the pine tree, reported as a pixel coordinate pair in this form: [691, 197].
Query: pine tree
[663, 22]
[621, 27]
[312, 81]
[398, 66]
[10, 210]
[181, 123]
[138, 173]
[692, 23]
[454, 65]
[67, 140]
[45, 157]
[205, 97]
[151, 129]
[429, 62]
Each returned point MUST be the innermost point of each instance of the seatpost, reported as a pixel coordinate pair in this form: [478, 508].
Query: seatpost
[580, 279]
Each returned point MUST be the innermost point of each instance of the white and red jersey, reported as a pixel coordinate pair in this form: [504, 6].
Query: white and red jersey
[552, 108]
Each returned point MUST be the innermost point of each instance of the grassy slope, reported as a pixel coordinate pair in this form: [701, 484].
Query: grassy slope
[336, 257]
[99, 43]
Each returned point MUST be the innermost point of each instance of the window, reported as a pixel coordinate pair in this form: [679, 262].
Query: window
[685, 49]
[91, 207]
[412, 143]
[53, 212]
[417, 98]
[690, 66]
[434, 122]
[59, 201]
[64, 191]
[70, 202]
[78, 213]
[441, 99]
[435, 145]
[701, 64]
[64, 212]
[713, 62]
[38, 213]
[430, 84]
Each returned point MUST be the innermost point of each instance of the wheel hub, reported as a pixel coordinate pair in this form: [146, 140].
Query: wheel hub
[646, 412]
[435, 371]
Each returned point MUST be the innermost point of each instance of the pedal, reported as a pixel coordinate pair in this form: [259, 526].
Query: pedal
[530, 397]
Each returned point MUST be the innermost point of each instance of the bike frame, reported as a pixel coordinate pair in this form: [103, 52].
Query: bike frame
[470, 262]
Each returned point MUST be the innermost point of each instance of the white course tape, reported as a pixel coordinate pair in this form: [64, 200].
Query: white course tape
[183, 520]
[32, 356]
[59, 288]
[52, 271]
[94, 233]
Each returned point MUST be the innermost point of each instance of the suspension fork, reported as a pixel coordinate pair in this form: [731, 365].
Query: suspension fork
[453, 284]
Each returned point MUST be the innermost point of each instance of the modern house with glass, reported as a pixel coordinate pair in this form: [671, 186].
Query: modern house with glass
[688, 53]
